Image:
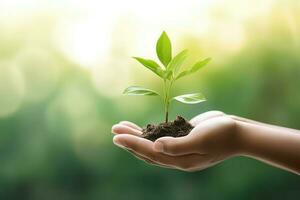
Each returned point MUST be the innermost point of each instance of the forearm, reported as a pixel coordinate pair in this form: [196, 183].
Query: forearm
[274, 145]
[241, 119]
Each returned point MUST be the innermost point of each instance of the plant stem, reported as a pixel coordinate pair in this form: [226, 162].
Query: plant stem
[167, 116]
[167, 91]
[165, 100]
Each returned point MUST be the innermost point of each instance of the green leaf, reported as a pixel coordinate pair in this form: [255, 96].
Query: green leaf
[182, 74]
[198, 65]
[164, 49]
[152, 65]
[190, 98]
[137, 90]
[177, 61]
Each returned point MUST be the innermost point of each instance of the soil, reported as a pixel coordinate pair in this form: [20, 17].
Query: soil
[177, 128]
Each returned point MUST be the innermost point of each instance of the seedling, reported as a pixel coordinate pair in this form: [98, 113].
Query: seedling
[170, 71]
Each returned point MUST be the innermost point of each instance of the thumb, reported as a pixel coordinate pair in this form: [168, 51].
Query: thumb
[174, 146]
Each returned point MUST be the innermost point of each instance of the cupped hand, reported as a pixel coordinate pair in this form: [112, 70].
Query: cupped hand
[212, 140]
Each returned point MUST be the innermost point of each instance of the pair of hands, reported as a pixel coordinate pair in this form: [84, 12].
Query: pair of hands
[212, 140]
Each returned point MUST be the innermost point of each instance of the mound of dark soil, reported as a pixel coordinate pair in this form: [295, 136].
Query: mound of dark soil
[177, 128]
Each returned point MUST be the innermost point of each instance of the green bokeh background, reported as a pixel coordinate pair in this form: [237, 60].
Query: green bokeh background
[55, 118]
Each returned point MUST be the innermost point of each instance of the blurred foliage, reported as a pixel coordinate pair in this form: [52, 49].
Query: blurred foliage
[55, 117]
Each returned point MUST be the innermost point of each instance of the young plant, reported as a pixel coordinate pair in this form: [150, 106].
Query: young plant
[169, 72]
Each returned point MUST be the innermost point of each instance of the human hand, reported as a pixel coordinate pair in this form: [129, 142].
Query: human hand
[212, 140]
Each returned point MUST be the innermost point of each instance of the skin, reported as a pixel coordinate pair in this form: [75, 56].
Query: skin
[216, 137]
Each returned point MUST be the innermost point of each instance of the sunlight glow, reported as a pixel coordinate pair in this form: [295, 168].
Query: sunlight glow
[85, 41]
[11, 89]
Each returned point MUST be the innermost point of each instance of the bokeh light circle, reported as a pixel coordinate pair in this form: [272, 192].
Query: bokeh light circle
[11, 89]
[40, 72]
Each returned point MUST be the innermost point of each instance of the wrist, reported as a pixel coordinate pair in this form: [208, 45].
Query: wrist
[246, 138]
[239, 140]
[233, 142]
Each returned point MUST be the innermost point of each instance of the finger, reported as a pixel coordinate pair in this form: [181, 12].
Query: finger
[205, 116]
[130, 124]
[175, 146]
[139, 145]
[151, 162]
[144, 148]
[187, 163]
[135, 154]
[122, 129]
[141, 157]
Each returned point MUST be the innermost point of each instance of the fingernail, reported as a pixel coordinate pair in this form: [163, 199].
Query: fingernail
[159, 147]
[118, 143]
[113, 128]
